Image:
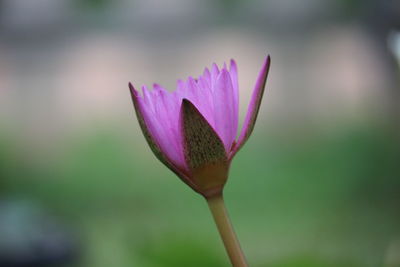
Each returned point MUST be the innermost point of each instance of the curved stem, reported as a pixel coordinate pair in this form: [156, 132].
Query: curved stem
[228, 236]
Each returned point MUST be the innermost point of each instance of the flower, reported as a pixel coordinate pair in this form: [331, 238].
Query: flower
[193, 129]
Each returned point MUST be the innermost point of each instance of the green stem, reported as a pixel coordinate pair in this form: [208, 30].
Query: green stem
[228, 236]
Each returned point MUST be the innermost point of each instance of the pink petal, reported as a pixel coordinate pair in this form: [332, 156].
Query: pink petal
[166, 111]
[158, 126]
[254, 106]
[181, 90]
[234, 77]
[152, 135]
[224, 109]
[214, 74]
[148, 99]
[201, 97]
[193, 92]
[206, 78]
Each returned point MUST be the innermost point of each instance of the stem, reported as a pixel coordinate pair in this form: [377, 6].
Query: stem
[228, 236]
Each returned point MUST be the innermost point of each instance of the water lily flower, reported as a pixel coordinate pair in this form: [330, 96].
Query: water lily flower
[193, 131]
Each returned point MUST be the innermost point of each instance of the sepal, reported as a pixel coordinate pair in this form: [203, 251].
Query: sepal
[254, 106]
[204, 151]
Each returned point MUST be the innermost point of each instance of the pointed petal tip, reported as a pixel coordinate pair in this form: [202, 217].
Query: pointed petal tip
[264, 69]
[223, 73]
[180, 83]
[214, 67]
[156, 86]
[232, 63]
[206, 71]
[132, 90]
[144, 88]
[268, 60]
[267, 65]
[131, 86]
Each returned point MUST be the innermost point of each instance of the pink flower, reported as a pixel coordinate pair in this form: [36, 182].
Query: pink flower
[193, 130]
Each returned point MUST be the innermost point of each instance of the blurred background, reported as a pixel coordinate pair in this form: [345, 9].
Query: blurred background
[317, 184]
